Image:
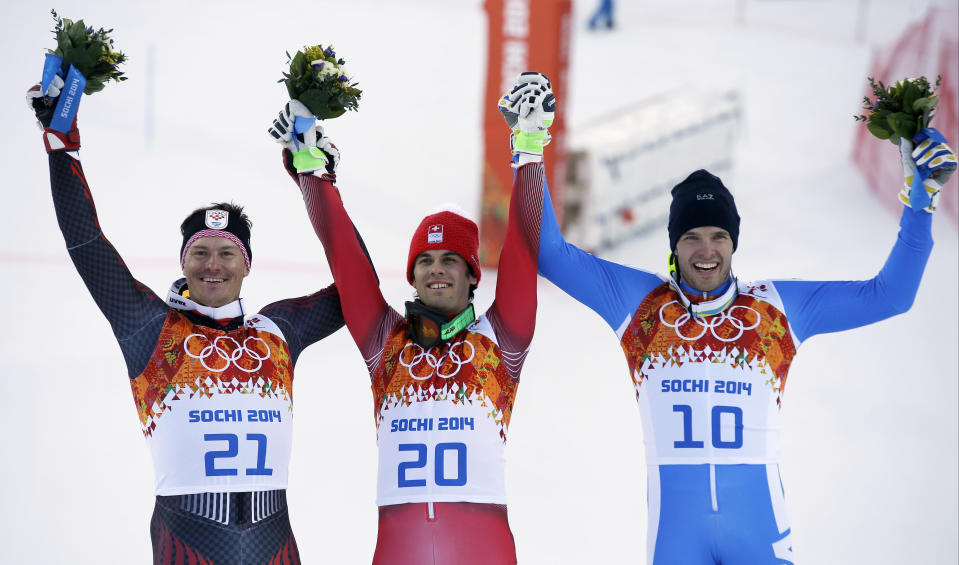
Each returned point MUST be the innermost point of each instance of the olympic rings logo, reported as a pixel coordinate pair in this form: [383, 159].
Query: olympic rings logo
[713, 322]
[229, 357]
[420, 355]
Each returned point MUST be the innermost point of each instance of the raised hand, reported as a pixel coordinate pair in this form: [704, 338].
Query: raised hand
[43, 105]
[927, 163]
[298, 130]
[529, 108]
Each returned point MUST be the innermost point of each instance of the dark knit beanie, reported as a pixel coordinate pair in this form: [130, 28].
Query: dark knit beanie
[702, 200]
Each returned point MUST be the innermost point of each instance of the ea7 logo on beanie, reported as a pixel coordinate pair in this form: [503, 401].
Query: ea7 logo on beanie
[434, 234]
[217, 219]
[702, 200]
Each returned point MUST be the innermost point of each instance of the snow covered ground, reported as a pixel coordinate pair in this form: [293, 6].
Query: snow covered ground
[869, 416]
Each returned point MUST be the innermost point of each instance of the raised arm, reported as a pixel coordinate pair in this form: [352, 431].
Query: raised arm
[513, 313]
[816, 307]
[613, 291]
[528, 109]
[367, 315]
[135, 313]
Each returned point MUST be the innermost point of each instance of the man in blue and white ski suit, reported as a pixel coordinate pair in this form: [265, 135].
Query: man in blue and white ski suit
[709, 354]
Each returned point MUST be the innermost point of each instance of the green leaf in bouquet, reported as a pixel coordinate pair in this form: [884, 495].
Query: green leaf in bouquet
[911, 93]
[63, 40]
[925, 103]
[90, 51]
[299, 61]
[313, 78]
[901, 109]
[93, 86]
[78, 57]
[318, 102]
[877, 130]
[902, 124]
[77, 32]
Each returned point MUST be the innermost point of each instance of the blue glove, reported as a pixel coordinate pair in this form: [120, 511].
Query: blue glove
[927, 163]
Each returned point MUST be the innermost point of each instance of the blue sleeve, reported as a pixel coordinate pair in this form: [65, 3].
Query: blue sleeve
[611, 290]
[815, 307]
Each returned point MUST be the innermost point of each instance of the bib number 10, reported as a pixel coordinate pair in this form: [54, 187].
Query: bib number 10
[716, 417]
[442, 475]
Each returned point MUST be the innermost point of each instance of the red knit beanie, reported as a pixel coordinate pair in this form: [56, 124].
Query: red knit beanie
[448, 228]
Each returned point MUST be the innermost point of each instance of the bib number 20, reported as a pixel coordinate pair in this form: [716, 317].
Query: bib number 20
[716, 417]
[442, 475]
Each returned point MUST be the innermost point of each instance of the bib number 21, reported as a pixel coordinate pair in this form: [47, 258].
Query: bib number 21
[231, 451]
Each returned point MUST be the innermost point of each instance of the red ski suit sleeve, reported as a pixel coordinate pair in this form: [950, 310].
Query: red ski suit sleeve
[369, 318]
[513, 313]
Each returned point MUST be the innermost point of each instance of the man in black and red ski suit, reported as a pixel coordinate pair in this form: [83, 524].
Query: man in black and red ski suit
[212, 382]
[443, 379]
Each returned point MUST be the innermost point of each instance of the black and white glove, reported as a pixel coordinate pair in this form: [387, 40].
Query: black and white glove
[298, 130]
[43, 105]
[529, 108]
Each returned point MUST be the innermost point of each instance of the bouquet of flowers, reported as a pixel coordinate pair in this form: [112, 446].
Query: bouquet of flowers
[89, 51]
[900, 110]
[318, 80]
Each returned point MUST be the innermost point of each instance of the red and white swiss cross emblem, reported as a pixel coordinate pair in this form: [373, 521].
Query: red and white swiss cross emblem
[217, 219]
[435, 234]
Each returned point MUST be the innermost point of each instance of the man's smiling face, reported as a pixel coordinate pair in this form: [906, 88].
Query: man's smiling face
[442, 280]
[704, 256]
[214, 268]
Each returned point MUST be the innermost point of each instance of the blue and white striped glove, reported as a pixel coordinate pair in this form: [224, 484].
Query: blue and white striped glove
[529, 108]
[927, 163]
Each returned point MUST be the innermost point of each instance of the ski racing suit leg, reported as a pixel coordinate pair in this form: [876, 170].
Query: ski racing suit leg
[457, 533]
[717, 515]
[238, 528]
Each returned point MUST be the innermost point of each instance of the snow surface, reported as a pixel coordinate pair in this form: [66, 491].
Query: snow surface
[869, 417]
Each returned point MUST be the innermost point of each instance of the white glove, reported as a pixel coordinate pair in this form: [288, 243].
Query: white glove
[35, 97]
[43, 106]
[528, 109]
[925, 167]
[297, 129]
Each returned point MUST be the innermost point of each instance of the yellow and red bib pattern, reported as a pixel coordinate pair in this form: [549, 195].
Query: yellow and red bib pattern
[442, 416]
[709, 388]
[469, 370]
[216, 406]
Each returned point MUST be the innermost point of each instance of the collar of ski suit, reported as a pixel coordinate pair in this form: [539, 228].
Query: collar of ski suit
[718, 299]
[223, 313]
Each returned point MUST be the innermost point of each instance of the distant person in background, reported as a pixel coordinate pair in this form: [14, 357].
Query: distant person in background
[211, 381]
[443, 379]
[603, 16]
[709, 354]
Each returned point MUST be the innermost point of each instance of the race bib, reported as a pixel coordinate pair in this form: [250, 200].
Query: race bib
[440, 452]
[223, 443]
